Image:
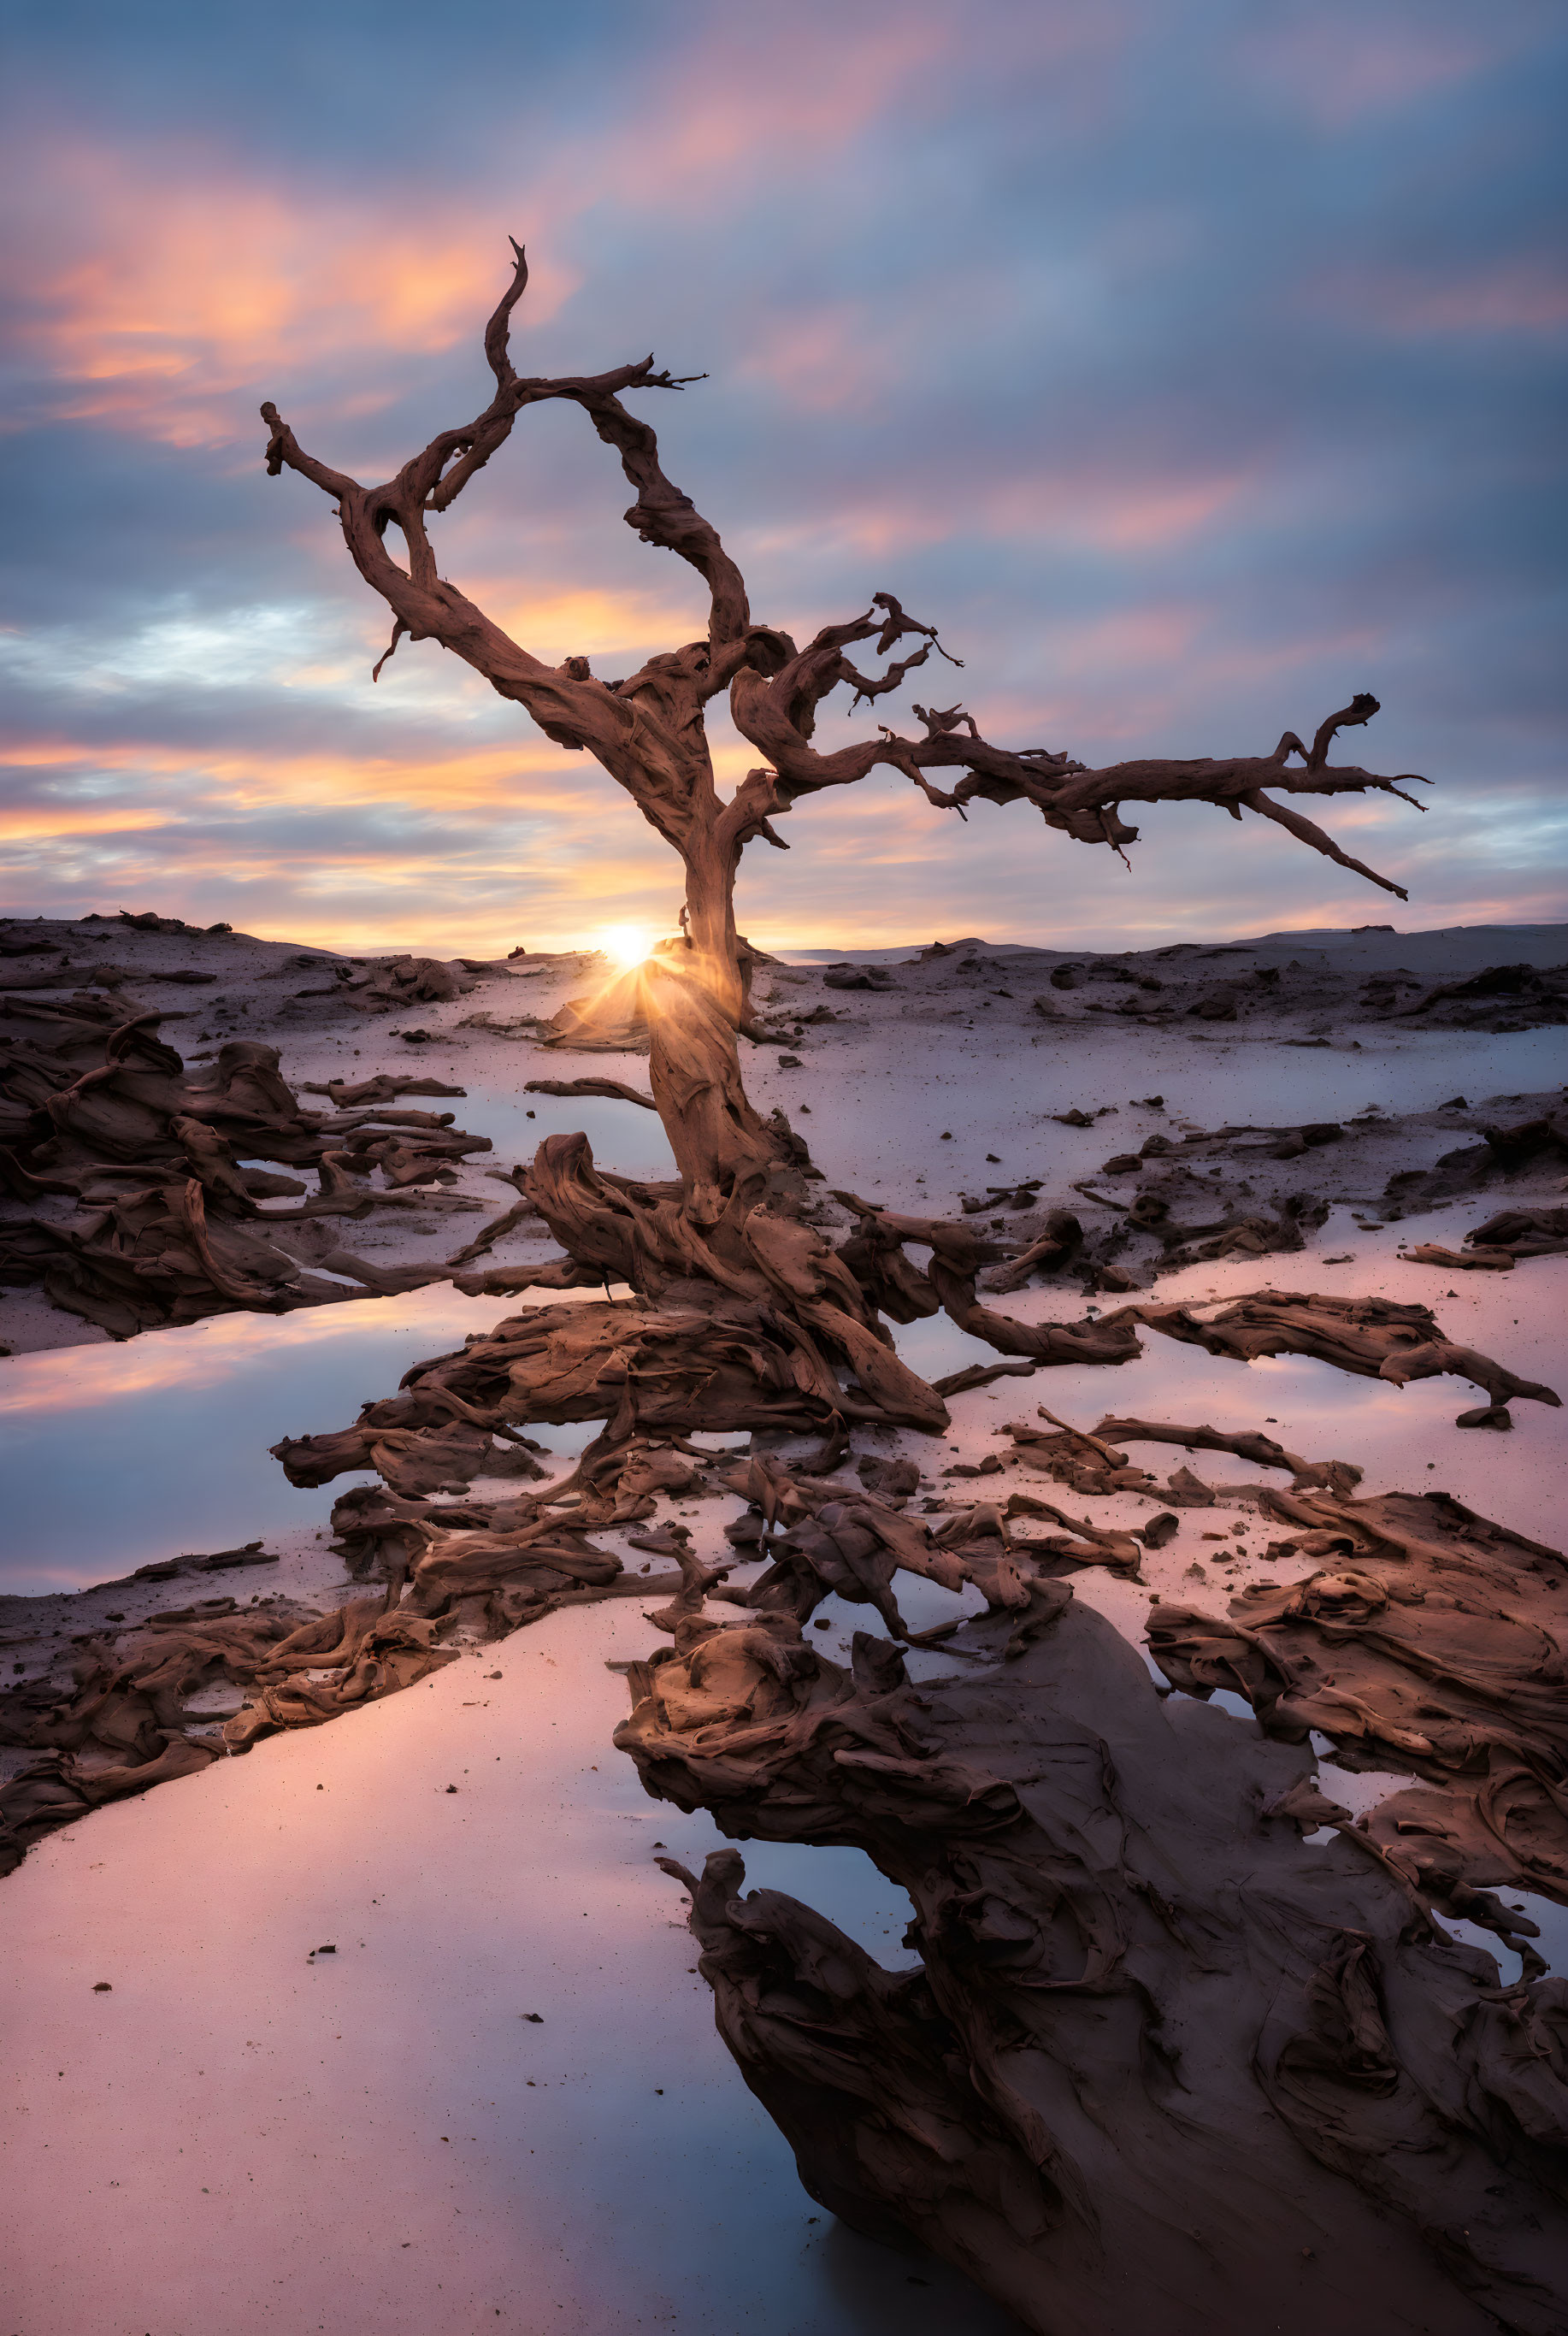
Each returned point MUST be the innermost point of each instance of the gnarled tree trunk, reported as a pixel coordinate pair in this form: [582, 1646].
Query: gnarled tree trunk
[733, 1229]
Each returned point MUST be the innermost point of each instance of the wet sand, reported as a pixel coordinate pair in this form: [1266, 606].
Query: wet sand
[253, 2137]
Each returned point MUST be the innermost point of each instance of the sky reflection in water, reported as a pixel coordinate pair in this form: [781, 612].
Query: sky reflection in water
[115, 1456]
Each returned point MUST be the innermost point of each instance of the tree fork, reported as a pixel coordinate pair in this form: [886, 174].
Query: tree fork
[733, 1224]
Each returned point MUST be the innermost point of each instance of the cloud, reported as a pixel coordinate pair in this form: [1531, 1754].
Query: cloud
[1189, 369]
[152, 287]
[1529, 295]
[1338, 63]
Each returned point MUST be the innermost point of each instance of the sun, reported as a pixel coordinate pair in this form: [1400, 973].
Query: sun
[625, 945]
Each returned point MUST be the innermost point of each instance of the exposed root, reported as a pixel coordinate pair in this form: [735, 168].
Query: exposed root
[1374, 1337]
[615, 1089]
[1498, 1245]
[1430, 1639]
[100, 1111]
[1158, 2048]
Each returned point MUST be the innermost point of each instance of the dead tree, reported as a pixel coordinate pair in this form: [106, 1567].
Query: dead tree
[731, 1228]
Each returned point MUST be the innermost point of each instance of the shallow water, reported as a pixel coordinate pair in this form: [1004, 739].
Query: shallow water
[1404, 1437]
[113, 1457]
[655, 2190]
[1259, 1081]
[1094, 1063]
[624, 1135]
[381, 2132]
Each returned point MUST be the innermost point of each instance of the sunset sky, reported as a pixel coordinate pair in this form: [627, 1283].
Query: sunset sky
[1193, 366]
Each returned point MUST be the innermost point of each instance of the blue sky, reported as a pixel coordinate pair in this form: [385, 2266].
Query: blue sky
[1192, 366]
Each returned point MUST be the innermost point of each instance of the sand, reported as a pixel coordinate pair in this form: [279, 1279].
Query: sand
[236, 2134]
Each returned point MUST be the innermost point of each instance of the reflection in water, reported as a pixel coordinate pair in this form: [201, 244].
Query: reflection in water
[1259, 1081]
[115, 1456]
[624, 1136]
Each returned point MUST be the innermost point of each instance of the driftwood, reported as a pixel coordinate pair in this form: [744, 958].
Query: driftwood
[385, 1087]
[389, 982]
[497, 1562]
[1374, 1337]
[615, 1089]
[1496, 1246]
[1306, 1475]
[101, 1111]
[1430, 1639]
[1117, 2089]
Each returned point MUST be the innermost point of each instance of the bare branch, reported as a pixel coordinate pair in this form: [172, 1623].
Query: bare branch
[648, 730]
[1304, 828]
[1361, 708]
[390, 651]
[497, 332]
[778, 715]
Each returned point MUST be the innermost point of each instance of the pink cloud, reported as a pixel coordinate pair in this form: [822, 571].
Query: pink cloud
[1113, 511]
[825, 358]
[755, 93]
[1333, 63]
[1527, 295]
[155, 287]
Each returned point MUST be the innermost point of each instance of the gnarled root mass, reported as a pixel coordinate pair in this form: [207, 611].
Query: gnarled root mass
[1426, 1640]
[99, 1111]
[1186, 2046]
[1163, 2062]
[1374, 1337]
[124, 1726]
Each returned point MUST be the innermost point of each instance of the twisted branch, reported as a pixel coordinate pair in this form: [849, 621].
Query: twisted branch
[647, 730]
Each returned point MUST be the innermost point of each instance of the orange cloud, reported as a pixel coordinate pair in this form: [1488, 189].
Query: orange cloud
[531, 775]
[589, 623]
[163, 289]
[157, 287]
[50, 820]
